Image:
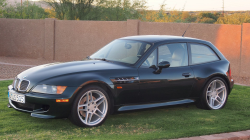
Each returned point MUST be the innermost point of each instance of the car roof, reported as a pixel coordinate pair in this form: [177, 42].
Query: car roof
[161, 38]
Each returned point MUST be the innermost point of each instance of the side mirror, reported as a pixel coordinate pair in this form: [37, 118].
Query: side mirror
[161, 65]
[164, 64]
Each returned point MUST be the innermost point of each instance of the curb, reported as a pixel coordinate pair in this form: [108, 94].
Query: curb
[240, 135]
[20, 65]
[6, 79]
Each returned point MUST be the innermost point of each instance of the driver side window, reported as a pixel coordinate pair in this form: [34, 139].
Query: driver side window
[175, 54]
[151, 60]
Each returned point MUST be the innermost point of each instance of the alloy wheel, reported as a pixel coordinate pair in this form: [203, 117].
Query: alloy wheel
[216, 94]
[92, 107]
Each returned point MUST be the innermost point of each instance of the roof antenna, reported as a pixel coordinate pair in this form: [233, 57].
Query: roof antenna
[185, 30]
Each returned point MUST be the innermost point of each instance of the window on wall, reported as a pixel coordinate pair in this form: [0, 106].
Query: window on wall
[176, 54]
[202, 54]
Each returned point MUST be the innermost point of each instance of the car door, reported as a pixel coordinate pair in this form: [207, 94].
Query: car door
[174, 82]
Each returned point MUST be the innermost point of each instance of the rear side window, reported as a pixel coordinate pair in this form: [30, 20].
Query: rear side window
[202, 54]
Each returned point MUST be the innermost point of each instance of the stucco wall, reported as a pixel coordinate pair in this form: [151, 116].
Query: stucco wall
[64, 40]
[75, 40]
[22, 38]
[228, 41]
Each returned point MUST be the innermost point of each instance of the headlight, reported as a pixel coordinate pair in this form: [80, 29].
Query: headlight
[49, 89]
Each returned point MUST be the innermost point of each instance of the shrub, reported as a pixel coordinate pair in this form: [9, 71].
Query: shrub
[2, 5]
[207, 15]
[236, 18]
[51, 12]
[97, 9]
[27, 11]
[206, 20]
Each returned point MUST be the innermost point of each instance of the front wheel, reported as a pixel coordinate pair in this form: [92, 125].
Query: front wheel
[214, 94]
[91, 107]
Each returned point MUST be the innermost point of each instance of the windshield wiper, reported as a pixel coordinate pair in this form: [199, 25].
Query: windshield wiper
[103, 59]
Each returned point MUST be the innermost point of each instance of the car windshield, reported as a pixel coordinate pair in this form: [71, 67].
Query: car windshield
[126, 51]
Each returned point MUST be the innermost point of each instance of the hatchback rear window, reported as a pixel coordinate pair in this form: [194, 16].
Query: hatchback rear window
[202, 54]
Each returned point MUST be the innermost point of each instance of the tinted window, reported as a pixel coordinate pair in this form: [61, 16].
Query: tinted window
[202, 54]
[175, 54]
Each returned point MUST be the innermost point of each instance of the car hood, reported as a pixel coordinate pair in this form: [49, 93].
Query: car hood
[43, 72]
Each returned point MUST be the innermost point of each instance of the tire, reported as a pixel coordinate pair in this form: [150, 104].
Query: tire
[91, 107]
[214, 95]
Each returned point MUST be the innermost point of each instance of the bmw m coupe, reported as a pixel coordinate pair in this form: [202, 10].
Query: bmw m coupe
[129, 73]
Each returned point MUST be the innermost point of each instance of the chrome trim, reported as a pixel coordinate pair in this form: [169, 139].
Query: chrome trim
[134, 107]
[16, 85]
[20, 84]
[18, 108]
[124, 79]
[34, 111]
[10, 87]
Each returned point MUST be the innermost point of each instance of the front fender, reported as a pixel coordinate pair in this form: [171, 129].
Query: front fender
[78, 80]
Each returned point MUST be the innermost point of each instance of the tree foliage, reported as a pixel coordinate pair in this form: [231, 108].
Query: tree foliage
[2, 5]
[25, 11]
[51, 12]
[180, 16]
[96, 9]
[213, 16]
[114, 10]
[71, 9]
[118, 10]
[236, 18]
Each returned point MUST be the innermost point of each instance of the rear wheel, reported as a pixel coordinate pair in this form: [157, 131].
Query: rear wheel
[214, 94]
[91, 107]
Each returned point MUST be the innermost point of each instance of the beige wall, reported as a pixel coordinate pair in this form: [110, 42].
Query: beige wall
[65, 40]
[22, 38]
[75, 40]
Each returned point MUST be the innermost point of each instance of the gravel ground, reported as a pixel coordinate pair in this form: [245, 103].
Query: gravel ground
[11, 66]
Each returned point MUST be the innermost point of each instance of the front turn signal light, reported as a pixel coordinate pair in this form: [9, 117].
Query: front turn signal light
[119, 87]
[60, 89]
[62, 100]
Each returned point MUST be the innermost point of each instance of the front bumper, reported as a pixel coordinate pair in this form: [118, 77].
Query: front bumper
[44, 105]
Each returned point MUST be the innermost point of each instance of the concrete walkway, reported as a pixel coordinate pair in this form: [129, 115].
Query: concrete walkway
[240, 135]
[11, 66]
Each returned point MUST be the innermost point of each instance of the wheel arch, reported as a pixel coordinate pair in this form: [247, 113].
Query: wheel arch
[101, 84]
[200, 102]
[223, 76]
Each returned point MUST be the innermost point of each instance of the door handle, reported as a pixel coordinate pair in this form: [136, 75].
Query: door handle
[186, 74]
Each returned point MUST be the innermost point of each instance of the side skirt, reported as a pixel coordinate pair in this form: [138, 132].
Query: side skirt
[134, 107]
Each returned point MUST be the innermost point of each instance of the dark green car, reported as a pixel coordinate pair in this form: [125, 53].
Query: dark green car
[129, 73]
